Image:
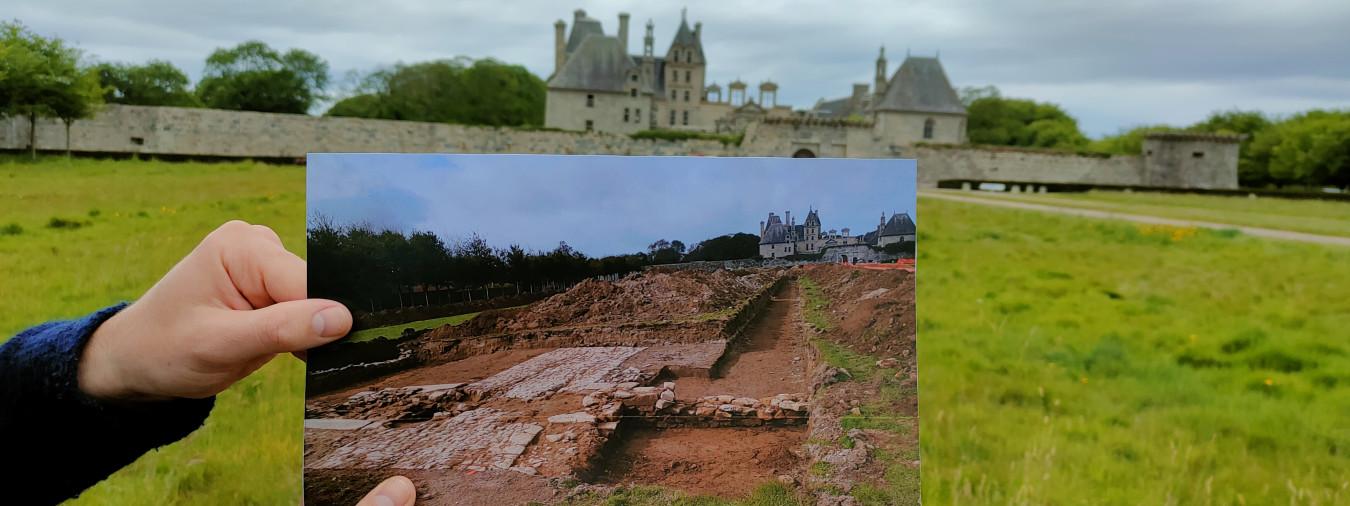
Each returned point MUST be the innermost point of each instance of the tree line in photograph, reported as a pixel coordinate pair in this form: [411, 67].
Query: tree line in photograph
[353, 263]
[45, 77]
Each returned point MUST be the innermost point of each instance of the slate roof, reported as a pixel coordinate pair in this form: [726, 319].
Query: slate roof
[598, 64]
[776, 233]
[659, 75]
[836, 108]
[582, 28]
[920, 85]
[812, 219]
[685, 37]
[899, 224]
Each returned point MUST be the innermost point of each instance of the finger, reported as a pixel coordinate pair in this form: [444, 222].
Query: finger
[264, 272]
[266, 232]
[282, 328]
[395, 491]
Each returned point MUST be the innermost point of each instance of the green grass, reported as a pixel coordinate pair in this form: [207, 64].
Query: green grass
[136, 220]
[1310, 216]
[1074, 361]
[1064, 360]
[393, 331]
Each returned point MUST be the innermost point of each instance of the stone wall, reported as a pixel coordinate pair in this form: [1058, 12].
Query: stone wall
[172, 131]
[938, 163]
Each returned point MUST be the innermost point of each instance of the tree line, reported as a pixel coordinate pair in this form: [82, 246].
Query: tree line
[1310, 148]
[44, 77]
[356, 262]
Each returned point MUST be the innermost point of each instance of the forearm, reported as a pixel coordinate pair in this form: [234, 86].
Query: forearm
[62, 440]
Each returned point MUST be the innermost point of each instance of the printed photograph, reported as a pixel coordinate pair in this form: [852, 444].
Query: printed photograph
[590, 329]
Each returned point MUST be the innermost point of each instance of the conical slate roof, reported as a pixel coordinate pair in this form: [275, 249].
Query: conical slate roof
[920, 85]
[684, 36]
[812, 219]
[598, 64]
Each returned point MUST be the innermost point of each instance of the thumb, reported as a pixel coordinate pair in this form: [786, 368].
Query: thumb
[284, 327]
[395, 491]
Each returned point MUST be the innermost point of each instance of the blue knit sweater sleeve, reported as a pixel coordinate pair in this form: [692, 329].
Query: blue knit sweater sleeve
[61, 441]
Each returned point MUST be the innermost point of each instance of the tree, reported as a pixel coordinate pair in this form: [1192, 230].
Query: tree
[969, 94]
[482, 92]
[1000, 121]
[1127, 142]
[727, 247]
[1311, 148]
[254, 77]
[42, 77]
[79, 100]
[157, 82]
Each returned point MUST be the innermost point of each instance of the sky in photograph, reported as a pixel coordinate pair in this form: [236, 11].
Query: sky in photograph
[601, 205]
[1110, 64]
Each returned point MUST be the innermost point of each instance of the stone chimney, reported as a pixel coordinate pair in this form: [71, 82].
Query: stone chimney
[623, 31]
[559, 46]
[698, 31]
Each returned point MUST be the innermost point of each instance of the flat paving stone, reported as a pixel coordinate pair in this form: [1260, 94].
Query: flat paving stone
[337, 423]
[566, 370]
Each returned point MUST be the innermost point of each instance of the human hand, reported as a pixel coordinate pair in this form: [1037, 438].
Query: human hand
[395, 491]
[237, 300]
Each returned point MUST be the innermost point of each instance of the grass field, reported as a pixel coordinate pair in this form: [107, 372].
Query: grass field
[1072, 361]
[131, 222]
[1064, 361]
[1310, 216]
[392, 331]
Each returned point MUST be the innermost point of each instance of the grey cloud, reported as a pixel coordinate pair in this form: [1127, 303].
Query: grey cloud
[1270, 55]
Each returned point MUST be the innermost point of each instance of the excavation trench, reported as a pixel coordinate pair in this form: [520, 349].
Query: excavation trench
[771, 358]
[709, 417]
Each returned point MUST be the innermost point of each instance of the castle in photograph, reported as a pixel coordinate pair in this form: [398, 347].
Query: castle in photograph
[783, 237]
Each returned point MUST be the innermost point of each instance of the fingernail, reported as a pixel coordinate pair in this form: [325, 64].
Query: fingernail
[325, 322]
[395, 491]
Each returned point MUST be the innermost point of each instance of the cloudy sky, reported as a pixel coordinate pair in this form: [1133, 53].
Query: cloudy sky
[1111, 64]
[601, 205]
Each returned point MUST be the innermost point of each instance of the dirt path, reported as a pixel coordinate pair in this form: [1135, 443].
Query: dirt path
[770, 360]
[1267, 233]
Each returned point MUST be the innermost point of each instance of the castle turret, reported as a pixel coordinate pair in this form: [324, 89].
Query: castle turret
[879, 87]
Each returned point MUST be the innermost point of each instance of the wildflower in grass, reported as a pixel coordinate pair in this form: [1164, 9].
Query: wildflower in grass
[1083, 380]
[1270, 382]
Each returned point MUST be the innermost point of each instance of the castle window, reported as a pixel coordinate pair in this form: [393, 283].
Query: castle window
[625, 115]
[590, 125]
[1198, 154]
[632, 92]
[673, 95]
[686, 95]
[672, 117]
[590, 100]
[928, 125]
[637, 115]
[686, 118]
[686, 77]
[633, 78]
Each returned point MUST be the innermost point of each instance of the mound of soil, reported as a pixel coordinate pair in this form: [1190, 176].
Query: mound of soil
[639, 297]
[873, 310]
